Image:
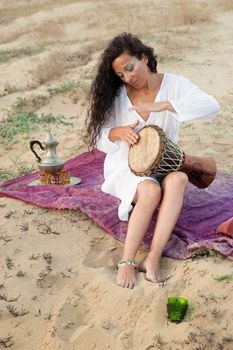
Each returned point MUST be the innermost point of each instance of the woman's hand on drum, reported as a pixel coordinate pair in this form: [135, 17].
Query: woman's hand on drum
[125, 134]
[152, 107]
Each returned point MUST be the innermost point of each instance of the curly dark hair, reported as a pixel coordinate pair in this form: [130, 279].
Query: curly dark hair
[106, 84]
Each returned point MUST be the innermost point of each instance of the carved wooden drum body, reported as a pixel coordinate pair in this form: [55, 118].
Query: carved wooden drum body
[156, 154]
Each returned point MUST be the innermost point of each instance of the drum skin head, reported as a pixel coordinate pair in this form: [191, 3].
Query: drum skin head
[145, 153]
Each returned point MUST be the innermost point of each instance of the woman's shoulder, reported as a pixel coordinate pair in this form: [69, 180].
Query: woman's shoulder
[174, 77]
[177, 82]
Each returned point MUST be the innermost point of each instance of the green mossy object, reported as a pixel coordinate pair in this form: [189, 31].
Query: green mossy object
[176, 308]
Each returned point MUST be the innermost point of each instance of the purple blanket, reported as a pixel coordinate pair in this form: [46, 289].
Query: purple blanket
[203, 210]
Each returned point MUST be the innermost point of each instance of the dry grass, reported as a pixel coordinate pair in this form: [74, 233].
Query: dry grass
[151, 15]
[185, 12]
[225, 5]
[12, 36]
[168, 47]
[48, 32]
[144, 17]
[43, 33]
[51, 67]
[13, 10]
[8, 89]
[94, 47]
[79, 58]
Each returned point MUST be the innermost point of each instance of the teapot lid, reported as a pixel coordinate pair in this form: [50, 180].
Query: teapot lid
[50, 139]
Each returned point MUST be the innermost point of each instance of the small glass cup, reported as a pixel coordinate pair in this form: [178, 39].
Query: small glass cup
[176, 309]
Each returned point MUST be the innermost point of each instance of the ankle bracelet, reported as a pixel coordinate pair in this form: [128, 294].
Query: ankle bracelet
[131, 262]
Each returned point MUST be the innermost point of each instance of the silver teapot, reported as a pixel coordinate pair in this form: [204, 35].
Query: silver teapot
[50, 164]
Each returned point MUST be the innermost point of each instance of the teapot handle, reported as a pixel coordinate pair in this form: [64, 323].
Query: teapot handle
[32, 143]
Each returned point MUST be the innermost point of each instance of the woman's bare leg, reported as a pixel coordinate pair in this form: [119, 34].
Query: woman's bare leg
[147, 198]
[173, 185]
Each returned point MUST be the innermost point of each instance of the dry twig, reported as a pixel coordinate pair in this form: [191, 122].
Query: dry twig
[6, 342]
[15, 312]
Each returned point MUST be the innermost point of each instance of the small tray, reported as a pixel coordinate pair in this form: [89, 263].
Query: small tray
[73, 181]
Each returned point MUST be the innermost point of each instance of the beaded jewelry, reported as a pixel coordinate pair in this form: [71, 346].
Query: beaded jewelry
[131, 262]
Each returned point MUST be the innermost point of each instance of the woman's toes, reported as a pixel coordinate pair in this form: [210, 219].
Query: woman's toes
[133, 284]
[126, 277]
[128, 283]
[119, 283]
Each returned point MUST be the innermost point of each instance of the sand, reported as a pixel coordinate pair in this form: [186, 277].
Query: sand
[57, 278]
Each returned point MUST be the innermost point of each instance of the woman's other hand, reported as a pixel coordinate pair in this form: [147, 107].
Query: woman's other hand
[125, 134]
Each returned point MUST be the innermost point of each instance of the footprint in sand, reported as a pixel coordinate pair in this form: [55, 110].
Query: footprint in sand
[102, 254]
[70, 319]
[176, 286]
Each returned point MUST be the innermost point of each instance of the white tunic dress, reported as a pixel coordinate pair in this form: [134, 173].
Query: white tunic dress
[189, 103]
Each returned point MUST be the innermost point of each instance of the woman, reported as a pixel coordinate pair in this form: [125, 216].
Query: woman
[127, 94]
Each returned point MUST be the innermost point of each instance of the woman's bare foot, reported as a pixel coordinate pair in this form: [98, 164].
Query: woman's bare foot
[152, 269]
[126, 276]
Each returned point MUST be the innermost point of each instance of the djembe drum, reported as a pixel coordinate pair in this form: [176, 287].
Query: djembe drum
[156, 154]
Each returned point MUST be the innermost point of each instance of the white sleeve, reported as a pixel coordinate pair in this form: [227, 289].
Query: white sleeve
[103, 143]
[192, 102]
